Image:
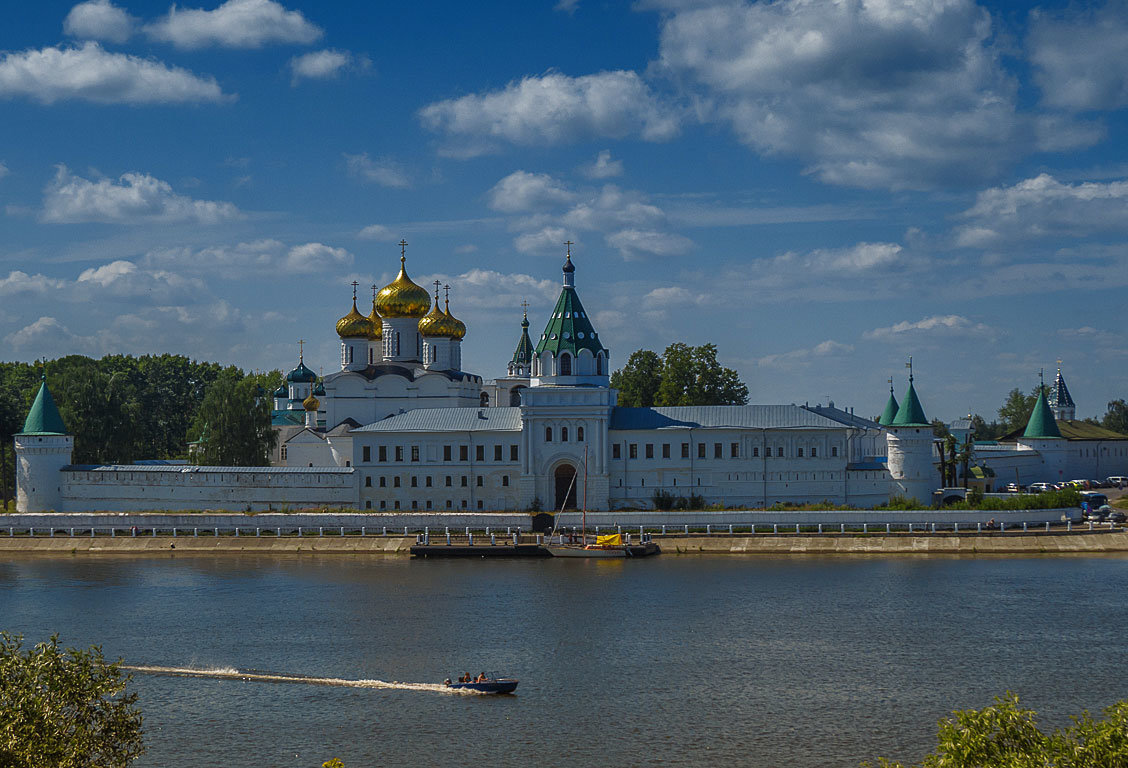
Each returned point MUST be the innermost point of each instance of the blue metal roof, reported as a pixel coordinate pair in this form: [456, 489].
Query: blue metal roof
[450, 420]
[720, 416]
[192, 468]
[842, 417]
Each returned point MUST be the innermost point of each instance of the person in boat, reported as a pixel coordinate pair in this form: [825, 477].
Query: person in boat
[465, 678]
[481, 678]
[447, 682]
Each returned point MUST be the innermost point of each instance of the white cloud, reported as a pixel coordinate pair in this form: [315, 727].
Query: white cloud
[950, 325]
[553, 109]
[635, 244]
[89, 73]
[124, 279]
[18, 282]
[1044, 207]
[603, 167]
[798, 358]
[490, 289]
[46, 336]
[235, 24]
[134, 198]
[376, 232]
[99, 20]
[880, 94]
[384, 172]
[862, 257]
[318, 65]
[1081, 57]
[545, 239]
[522, 191]
[567, 6]
[258, 257]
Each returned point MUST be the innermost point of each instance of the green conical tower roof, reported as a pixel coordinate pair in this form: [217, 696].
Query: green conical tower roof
[44, 418]
[569, 329]
[524, 352]
[890, 411]
[1042, 423]
[910, 414]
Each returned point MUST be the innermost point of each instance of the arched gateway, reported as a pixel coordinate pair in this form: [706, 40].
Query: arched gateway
[565, 487]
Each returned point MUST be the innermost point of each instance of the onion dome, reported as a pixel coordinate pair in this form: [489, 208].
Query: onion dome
[301, 374]
[354, 325]
[282, 392]
[311, 403]
[569, 267]
[402, 297]
[458, 326]
[319, 390]
[437, 324]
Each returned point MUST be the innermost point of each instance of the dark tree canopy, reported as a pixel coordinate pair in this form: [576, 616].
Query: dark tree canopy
[233, 422]
[64, 708]
[1116, 418]
[684, 375]
[1016, 410]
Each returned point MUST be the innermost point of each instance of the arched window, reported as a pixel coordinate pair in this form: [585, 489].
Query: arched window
[580, 434]
[548, 434]
[563, 434]
[565, 364]
[515, 396]
[485, 400]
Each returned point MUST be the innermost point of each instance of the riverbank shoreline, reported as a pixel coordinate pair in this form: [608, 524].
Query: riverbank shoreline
[1078, 542]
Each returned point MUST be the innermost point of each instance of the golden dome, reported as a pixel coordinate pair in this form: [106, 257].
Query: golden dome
[458, 325]
[403, 298]
[376, 320]
[354, 324]
[436, 324]
[311, 403]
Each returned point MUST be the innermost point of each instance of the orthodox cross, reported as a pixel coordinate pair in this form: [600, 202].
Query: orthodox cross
[374, 292]
[525, 307]
[446, 294]
[569, 245]
[354, 285]
[403, 249]
[301, 349]
[437, 284]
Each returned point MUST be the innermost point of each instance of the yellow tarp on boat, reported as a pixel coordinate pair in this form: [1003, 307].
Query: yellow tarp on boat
[610, 540]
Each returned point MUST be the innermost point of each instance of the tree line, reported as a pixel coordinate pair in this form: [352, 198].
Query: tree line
[682, 375]
[1017, 407]
[122, 408]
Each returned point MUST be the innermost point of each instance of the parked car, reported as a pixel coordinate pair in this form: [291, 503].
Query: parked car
[1116, 481]
[1041, 487]
[1116, 516]
[1081, 485]
[1014, 488]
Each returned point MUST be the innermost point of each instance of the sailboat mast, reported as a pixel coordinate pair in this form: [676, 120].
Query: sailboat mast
[583, 524]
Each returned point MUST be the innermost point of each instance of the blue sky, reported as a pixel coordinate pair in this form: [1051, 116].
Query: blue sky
[821, 189]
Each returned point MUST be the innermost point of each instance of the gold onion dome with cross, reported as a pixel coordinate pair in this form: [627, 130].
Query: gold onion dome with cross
[402, 297]
[354, 325]
[377, 322]
[438, 324]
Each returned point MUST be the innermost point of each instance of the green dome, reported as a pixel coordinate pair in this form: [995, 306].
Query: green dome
[44, 418]
[1042, 424]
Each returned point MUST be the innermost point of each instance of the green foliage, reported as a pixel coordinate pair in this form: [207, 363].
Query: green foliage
[1005, 735]
[684, 375]
[1065, 499]
[1015, 411]
[64, 708]
[663, 500]
[1116, 418]
[233, 421]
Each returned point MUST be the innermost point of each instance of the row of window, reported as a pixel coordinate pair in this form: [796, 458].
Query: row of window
[398, 452]
[429, 481]
[415, 504]
[564, 434]
[718, 451]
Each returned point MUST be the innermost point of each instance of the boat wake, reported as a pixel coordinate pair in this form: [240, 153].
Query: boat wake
[230, 673]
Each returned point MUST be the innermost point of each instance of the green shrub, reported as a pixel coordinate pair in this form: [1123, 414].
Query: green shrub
[663, 500]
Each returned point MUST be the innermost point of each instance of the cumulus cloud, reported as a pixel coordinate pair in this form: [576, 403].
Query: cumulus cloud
[376, 232]
[18, 282]
[134, 198]
[385, 172]
[321, 65]
[1080, 57]
[862, 257]
[99, 20]
[257, 257]
[553, 109]
[1044, 207]
[89, 73]
[523, 191]
[949, 325]
[124, 279]
[801, 357]
[635, 243]
[897, 95]
[235, 24]
[46, 334]
[603, 167]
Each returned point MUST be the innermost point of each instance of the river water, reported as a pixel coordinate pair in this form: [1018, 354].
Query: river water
[737, 661]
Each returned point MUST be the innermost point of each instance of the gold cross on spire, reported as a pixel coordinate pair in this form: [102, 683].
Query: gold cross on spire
[446, 295]
[437, 284]
[301, 349]
[354, 285]
[403, 249]
[525, 307]
[569, 244]
[374, 293]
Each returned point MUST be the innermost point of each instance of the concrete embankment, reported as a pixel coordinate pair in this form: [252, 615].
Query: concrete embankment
[788, 544]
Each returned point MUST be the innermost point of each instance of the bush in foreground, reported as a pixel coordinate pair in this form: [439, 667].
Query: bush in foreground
[1007, 736]
[64, 708]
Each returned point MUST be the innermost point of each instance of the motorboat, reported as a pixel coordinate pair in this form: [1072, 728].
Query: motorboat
[493, 685]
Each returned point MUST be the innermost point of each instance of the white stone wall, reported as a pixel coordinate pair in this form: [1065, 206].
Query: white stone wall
[39, 458]
[350, 395]
[913, 473]
[138, 488]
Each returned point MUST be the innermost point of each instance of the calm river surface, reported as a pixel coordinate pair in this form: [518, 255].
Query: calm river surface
[801, 662]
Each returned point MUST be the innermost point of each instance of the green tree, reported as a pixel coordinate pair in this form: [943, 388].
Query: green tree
[1116, 418]
[1005, 735]
[638, 380]
[692, 376]
[1015, 411]
[233, 421]
[64, 708]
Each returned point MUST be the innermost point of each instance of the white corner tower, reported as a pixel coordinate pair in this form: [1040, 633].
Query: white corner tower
[43, 448]
[909, 440]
